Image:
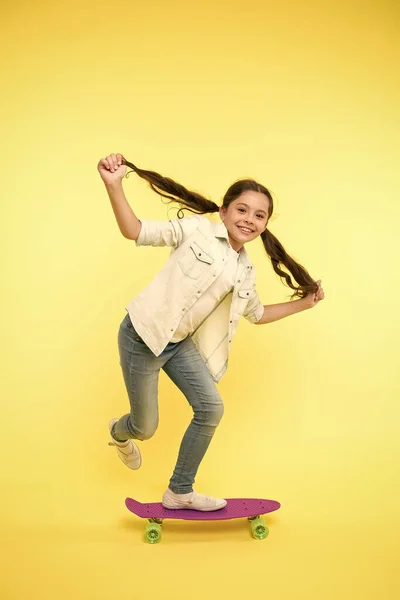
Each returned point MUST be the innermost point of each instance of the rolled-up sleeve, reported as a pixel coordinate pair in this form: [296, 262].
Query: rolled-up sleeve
[166, 233]
[254, 309]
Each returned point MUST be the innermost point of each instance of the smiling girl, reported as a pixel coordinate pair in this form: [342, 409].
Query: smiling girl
[184, 320]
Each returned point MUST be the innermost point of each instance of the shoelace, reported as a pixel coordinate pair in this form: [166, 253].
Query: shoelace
[194, 496]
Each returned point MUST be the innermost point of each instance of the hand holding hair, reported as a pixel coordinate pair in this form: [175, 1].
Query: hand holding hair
[111, 168]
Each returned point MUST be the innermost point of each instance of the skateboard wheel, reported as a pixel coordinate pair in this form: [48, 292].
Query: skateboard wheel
[259, 528]
[153, 533]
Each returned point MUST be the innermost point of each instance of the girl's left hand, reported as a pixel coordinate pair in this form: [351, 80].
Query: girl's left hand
[312, 298]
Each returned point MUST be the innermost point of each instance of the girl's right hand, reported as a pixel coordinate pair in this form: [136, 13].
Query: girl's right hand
[111, 168]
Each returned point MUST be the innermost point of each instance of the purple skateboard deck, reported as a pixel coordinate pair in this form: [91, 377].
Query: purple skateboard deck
[235, 509]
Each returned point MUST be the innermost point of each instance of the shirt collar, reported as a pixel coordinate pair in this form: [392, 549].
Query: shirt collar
[220, 231]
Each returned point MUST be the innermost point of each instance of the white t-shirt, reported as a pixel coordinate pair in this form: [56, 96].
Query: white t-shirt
[207, 302]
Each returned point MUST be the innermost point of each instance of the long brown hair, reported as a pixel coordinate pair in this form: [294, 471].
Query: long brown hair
[196, 203]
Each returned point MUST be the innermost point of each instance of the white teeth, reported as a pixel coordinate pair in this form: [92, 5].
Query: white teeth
[245, 229]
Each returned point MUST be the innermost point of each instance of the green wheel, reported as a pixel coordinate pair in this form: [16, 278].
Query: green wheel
[153, 532]
[259, 528]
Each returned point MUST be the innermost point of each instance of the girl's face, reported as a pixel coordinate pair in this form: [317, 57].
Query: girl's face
[245, 218]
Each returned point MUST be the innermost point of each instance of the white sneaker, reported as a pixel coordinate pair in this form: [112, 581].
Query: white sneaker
[128, 451]
[191, 500]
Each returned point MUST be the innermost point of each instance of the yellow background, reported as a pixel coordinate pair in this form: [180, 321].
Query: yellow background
[301, 96]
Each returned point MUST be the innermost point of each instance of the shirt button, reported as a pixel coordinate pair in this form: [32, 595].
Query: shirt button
[171, 329]
[183, 309]
[238, 280]
[230, 321]
[199, 291]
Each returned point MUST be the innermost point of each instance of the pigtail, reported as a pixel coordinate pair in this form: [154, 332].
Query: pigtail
[174, 192]
[279, 256]
[198, 204]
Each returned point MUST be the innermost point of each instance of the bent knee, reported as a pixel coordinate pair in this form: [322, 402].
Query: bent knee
[211, 415]
[146, 434]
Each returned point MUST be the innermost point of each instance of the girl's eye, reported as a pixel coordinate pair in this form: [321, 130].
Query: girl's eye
[260, 216]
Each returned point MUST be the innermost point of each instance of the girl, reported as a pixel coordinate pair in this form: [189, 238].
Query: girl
[185, 318]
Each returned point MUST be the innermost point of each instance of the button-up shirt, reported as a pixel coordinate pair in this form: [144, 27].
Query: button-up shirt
[206, 303]
[202, 290]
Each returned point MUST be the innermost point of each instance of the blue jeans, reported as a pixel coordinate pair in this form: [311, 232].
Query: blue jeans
[183, 364]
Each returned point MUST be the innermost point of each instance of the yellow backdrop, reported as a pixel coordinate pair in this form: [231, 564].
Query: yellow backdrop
[301, 96]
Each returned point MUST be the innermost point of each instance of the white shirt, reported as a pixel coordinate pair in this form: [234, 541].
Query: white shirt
[204, 305]
[195, 271]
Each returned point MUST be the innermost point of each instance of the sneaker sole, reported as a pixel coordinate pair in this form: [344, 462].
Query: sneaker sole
[192, 508]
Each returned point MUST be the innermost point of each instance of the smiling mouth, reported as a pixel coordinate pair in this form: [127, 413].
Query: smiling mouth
[245, 230]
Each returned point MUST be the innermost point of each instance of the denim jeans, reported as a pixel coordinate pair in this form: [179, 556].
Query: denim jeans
[183, 364]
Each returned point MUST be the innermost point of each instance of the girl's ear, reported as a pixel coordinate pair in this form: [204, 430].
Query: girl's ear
[222, 212]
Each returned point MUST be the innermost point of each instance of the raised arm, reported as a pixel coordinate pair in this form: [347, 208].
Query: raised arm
[128, 222]
[112, 171]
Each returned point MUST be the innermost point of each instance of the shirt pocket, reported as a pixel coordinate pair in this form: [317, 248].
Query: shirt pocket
[195, 261]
